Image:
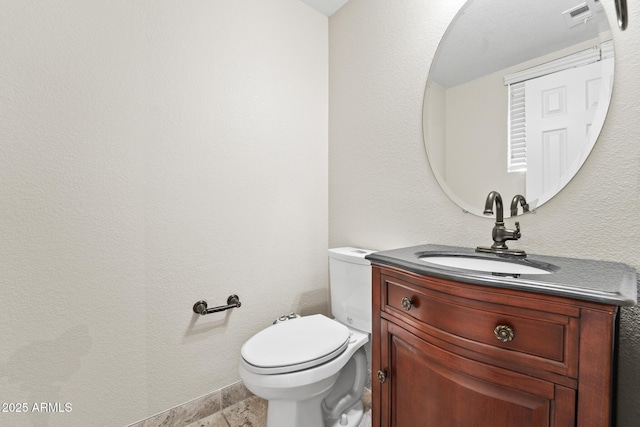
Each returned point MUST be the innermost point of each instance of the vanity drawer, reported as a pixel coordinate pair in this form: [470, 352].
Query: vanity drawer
[514, 334]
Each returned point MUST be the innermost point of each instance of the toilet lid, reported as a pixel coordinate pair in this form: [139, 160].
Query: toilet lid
[295, 344]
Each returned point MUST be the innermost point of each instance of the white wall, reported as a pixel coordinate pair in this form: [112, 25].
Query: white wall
[383, 194]
[152, 154]
[477, 130]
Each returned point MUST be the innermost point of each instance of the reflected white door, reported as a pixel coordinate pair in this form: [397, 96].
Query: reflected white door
[560, 109]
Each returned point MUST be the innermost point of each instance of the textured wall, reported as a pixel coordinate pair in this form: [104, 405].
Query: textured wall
[152, 154]
[383, 194]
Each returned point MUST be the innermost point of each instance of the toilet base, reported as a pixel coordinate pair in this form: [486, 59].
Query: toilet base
[296, 413]
[286, 413]
[352, 417]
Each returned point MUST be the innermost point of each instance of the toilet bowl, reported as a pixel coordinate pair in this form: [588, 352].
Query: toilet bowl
[296, 392]
[313, 369]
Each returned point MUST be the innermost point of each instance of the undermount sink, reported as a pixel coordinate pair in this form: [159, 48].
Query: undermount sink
[475, 263]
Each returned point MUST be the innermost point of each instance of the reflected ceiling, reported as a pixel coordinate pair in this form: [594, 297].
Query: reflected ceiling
[473, 59]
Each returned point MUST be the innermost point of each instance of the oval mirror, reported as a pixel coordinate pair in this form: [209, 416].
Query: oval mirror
[516, 97]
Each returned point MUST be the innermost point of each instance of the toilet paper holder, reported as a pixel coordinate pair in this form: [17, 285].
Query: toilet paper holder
[201, 306]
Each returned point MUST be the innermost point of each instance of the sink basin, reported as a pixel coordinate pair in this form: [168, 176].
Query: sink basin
[476, 263]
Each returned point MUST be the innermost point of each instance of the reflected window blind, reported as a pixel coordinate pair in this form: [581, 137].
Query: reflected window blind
[517, 161]
[578, 59]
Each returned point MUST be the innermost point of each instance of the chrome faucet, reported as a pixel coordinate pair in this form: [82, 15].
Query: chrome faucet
[518, 198]
[500, 233]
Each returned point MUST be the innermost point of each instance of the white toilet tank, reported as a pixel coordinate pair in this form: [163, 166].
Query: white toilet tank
[350, 284]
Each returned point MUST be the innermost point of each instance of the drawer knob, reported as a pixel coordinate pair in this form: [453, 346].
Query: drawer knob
[407, 303]
[382, 376]
[504, 333]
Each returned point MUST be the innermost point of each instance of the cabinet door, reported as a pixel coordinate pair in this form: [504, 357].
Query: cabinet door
[428, 386]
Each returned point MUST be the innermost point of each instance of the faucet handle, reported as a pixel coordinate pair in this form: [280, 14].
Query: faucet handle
[517, 234]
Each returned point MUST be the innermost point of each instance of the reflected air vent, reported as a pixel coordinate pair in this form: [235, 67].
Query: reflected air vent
[579, 14]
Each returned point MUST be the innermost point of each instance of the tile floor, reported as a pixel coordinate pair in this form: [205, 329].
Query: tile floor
[232, 406]
[251, 412]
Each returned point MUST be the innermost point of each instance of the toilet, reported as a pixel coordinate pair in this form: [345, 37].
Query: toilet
[313, 369]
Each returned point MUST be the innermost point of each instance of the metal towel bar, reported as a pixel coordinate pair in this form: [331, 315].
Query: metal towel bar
[201, 306]
[621, 11]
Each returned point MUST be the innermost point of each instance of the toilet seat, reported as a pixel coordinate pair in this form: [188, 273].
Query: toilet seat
[295, 345]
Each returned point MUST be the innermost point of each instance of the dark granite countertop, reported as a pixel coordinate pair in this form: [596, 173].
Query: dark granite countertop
[599, 281]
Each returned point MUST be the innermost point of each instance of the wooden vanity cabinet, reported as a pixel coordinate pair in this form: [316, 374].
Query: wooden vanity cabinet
[450, 354]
